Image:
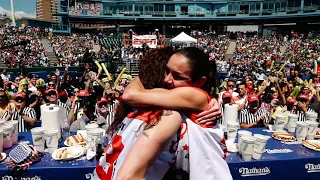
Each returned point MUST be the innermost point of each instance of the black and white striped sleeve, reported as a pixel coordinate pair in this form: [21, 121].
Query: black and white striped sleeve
[5, 114]
[267, 115]
[30, 112]
[242, 116]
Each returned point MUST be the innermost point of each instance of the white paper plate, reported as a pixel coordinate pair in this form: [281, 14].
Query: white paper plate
[309, 146]
[77, 145]
[279, 139]
[4, 156]
[74, 152]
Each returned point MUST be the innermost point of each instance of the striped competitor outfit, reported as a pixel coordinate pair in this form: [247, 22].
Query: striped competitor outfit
[301, 115]
[246, 117]
[23, 125]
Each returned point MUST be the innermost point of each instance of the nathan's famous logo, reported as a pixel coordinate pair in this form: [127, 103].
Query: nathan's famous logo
[280, 122]
[232, 130]
[89, 176]
[23, 178]
[278, 151]
[312, 167]
[254, 171]
[6, 135]
[37, 139]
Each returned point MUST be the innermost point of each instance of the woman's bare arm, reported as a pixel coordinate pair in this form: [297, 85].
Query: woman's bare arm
[148, 146]
[178, 98]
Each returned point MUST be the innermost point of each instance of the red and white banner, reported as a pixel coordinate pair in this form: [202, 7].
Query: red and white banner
[150, 40]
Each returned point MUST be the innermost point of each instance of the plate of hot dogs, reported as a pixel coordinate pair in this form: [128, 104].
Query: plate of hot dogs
[67, 153]
[283, 136]
[75, 140]
[312, 144]
[317, 136]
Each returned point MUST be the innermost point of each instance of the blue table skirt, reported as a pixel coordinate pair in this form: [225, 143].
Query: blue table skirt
[280, 161]
[48, 168]
[295, 162]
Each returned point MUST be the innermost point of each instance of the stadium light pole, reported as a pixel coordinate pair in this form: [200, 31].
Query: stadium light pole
[13, 18]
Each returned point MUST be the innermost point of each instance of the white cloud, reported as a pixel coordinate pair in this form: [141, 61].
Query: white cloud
[19, 14]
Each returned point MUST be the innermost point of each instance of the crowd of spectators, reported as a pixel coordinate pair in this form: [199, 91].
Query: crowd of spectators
[29, 53]
[264, 82]
[70, 49]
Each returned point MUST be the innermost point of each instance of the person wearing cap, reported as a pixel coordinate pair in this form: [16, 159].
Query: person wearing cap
[291, 104]
[52, 97]
[226, 99]
[253, 116]
[302, 107]
[75, 107]
[25, 115]
[63, 97]
[104, 115]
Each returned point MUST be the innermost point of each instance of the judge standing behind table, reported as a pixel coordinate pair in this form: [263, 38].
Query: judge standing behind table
[254, 115]
[301, 107]
[25, 115]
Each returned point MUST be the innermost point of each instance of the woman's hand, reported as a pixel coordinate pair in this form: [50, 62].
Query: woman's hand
[211, 115]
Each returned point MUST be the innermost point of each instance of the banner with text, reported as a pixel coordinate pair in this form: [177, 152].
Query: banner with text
[150, 40]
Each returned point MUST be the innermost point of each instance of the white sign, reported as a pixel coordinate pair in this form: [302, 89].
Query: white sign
[23, 178]
[291, 142]
[278, 151]
[254, 171]
[89, 176]
[311, 168]
[150, 40]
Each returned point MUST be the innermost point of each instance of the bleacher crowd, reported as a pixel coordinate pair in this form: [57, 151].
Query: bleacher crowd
[266, 76]
[29, 53]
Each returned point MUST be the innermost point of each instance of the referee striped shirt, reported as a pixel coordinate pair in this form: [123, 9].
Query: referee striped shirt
[301, 114]
[246, 117]
[23, 125]
[221, 120]
[61, 104]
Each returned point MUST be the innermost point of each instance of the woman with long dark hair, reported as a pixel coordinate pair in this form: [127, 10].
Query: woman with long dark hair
[146, 133]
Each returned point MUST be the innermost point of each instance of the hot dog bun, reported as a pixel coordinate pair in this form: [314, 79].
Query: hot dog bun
[63, 153]
[313, 144]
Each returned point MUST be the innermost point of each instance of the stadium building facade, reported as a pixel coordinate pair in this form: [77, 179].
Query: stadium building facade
[202, 14]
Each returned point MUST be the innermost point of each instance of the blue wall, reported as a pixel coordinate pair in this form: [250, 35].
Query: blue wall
[35, 23]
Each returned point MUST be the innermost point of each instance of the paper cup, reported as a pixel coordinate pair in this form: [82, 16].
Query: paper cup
[96, 135]
[247, 147]
[312, 129]
[7, 135]
[1, 140]
[311, 116]
[2, 122]
[259, 145]
[292, 122]
[242, 133]
[256, 155]
[52, 139]
[38, 138]
[280, 122]
[301, 131]
[232, 128]
[14, 123]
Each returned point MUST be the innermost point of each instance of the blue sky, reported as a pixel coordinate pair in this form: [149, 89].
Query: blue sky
[27, 6]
